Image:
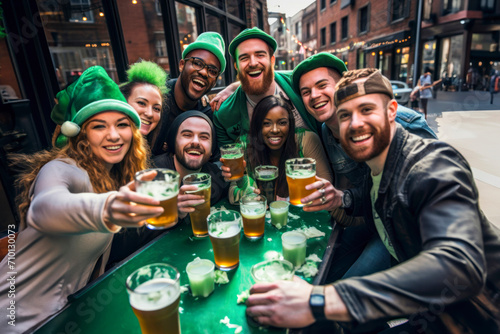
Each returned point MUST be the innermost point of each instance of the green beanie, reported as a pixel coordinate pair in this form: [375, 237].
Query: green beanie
[249, 34]
[92, 93]
[212, 42]
[322, 59]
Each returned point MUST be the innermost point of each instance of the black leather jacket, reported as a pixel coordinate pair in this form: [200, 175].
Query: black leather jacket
[448, 277]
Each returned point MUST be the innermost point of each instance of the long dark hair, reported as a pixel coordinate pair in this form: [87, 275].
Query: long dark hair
[258, 153]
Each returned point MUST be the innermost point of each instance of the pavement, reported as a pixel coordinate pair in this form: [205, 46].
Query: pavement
[468, 122]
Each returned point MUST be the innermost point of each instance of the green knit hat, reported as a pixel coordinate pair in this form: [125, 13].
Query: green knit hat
[212, 42]
[92, 93]
[322, 59]
[248, 34]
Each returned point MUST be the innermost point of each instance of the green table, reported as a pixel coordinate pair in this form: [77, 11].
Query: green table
[103, 306]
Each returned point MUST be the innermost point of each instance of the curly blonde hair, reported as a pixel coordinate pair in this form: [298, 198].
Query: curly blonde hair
[348, 77]
[79, 150]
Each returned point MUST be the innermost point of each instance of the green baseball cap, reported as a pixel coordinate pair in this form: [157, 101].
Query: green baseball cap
[212, 42]
[322, 59]
[249, 34]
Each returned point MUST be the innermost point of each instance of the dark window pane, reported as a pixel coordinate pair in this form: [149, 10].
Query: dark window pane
[187, 24]
[345, 27]
[363, 19]
[216, 3]
[214, 24]
[323, 36]
[333, 32]
[236, 8]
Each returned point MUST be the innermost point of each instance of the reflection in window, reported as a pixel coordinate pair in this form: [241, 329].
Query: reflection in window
[400, 9]
[429, 54]
[215, 25]
[73, 50]
[143, 32]
[484, 42]
[187, 24]
[236, 8]
[451, 60]
[217, 3]
[452, 6]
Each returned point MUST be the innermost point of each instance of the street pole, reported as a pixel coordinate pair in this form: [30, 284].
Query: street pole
[416, 61]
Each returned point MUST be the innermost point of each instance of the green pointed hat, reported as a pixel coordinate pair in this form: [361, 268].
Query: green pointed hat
[93, 93]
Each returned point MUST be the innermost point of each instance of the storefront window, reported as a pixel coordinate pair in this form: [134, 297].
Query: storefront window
[215, 24]
[187, 24]
[401, 64]
[484, 42]
[451, 60]
[429, 55]
[143, 32]
[74, 43]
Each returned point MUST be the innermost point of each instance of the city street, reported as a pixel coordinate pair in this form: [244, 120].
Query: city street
[471, 124]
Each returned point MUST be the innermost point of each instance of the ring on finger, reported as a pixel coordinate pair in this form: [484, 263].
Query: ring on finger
[323, 200]
[322, 191]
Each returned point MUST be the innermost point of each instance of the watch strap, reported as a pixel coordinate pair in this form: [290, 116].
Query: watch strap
[317, 302]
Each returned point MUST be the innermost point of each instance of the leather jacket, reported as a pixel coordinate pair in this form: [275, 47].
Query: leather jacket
[448, 278]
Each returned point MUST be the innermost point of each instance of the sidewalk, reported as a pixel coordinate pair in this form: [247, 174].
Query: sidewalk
[468, 122]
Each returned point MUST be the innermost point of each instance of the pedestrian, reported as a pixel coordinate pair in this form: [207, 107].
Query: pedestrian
[424, 84]
[494, 85]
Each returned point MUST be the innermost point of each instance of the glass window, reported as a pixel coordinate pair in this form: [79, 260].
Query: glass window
[363, 20]
[215, 25]
[333, 33]
[400, 9]
[323, 36]
[345, 27]
[427, 9]
[429, 54]
[361, 59]
[488, 5]
[452, 6]
[216, 3]
[451, 61]
[75, 46]
[187, 24]
[236, 8]
[323, 5]
[143, 32]
[484, 42]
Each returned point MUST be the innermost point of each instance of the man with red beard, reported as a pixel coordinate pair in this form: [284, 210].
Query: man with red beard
[202, 62]
[422, 201]
[253, 54]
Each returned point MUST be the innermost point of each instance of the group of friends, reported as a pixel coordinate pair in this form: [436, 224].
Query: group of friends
[415, 243]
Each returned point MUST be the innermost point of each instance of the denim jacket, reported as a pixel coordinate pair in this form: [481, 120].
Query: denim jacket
[349, 173]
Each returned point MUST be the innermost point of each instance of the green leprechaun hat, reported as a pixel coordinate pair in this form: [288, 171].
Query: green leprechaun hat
[93, 93]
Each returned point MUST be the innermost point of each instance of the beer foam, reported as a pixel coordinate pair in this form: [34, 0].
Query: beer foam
[159, 190]
[224, 230]
[232, 156]
[154, 295]
[300, 174]
[199, 187]
[253, 210]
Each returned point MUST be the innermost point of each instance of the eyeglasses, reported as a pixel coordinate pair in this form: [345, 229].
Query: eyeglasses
[199, 65]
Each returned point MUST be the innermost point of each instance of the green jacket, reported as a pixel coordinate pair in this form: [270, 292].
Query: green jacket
[232, 120]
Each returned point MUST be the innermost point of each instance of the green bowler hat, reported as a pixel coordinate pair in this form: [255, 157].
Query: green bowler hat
[93, 93]
[322, 59]
[249, 34]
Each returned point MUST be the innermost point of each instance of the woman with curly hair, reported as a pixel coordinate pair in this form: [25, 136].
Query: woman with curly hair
[145, 90]
[272, 139]
[69, 204]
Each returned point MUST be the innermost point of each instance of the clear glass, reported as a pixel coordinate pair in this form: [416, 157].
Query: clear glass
[299, 173]
[266, 177]
[232, 157]
[279, 213]
[187, 24]
[272, 270]
[224, 229]
[253, 211]
[154, 294]
[294, 247]
[199, 217]
[201, 277]
[163, 185]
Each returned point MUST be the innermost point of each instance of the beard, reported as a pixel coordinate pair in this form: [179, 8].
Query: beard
[185, 81]
[256, 88]
[381, 139]
[188, 163]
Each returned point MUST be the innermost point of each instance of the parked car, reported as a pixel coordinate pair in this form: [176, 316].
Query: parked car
[401, 92]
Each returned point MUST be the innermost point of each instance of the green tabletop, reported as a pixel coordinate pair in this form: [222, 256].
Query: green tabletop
[103, 307]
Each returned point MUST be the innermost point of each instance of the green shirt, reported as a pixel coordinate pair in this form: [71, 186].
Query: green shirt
[382, 232]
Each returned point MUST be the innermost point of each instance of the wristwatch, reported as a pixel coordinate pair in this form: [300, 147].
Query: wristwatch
[346, 199]
[317, 302]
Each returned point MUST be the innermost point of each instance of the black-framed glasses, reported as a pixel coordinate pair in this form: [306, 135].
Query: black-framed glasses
[199, 65]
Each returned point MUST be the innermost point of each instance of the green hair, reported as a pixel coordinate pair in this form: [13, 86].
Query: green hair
[148, 72]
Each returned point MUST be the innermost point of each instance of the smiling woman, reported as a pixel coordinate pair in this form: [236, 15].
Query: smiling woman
[75, 197]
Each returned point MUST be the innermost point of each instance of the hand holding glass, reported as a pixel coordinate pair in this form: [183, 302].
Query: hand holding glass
[232, 157]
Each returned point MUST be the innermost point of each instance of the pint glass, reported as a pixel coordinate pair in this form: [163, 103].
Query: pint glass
[266, 181]
[232, 157]
[154, 294]
[294, 247]
[224, 229]
[299, 173]
[201, 211]
[253, 211]
[163, 185]
[272, 270]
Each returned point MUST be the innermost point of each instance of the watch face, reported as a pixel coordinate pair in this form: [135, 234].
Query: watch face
[346, 199]
[317, 300]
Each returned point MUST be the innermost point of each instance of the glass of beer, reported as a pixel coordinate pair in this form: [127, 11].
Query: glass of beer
[294, 247]
[154, 294]
[272, 270]
[232, 157]
[163, 185]
[253, 210]
[266, 181]
[299, 173]
[224, 229]
[199, 217]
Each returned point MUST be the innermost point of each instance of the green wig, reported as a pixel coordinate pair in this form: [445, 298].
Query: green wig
[148, 72]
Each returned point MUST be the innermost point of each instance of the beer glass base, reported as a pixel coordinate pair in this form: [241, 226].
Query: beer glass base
[254, 238]
[227, 268]
[200, 235]
[160, 227]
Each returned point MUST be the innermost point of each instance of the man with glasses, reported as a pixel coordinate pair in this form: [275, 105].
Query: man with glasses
[202, 63]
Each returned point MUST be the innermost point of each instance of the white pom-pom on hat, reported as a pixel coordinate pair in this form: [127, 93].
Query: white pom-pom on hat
[70, 129]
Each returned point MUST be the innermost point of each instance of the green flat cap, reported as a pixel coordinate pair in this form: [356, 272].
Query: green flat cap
[248, 34]
[322, 59]
[212, 42]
